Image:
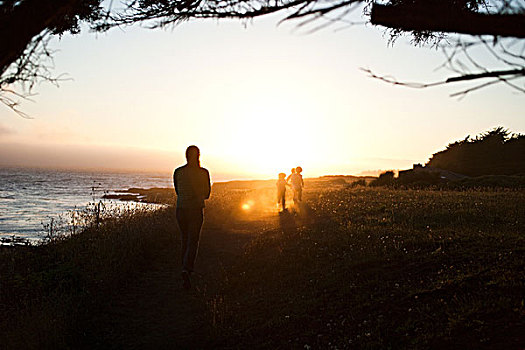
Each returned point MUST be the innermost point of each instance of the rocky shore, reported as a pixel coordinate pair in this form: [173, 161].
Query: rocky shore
[144, 195]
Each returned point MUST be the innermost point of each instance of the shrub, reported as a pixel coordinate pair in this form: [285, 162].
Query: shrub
[384, 179]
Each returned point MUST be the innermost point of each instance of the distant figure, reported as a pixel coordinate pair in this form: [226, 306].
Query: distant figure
[297, 182]
[281, 190]
[290, 176]
[192, 185]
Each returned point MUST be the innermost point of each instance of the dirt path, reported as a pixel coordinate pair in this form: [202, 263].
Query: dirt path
[155, 312]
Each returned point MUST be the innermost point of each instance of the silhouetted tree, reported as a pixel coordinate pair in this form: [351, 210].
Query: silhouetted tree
[25, 26]
[426, 20]
[495, 152]
[24, 21]
[474, 17]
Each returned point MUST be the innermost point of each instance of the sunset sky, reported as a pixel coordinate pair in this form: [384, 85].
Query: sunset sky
[257, 99]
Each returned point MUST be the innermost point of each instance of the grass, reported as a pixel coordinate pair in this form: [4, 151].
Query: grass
[48, 292]
[365, 268]
[383, 269]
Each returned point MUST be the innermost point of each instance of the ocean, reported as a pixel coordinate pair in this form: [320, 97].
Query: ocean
[31, 198]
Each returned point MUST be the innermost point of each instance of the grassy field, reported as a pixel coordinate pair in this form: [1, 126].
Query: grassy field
[363, 268]
[366, 268]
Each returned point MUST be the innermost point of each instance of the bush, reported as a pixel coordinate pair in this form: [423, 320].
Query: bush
[384, 179]
[357, 183]
[419, 178]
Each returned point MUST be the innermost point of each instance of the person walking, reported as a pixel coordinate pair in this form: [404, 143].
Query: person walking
[292, 172]
[297, 185]
[281, 191]
[192, 185]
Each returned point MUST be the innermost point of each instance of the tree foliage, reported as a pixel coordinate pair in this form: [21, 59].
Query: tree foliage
[25, 29]
[26, 25]
[495, 152]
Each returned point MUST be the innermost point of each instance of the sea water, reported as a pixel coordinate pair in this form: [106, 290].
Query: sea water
[31, 198]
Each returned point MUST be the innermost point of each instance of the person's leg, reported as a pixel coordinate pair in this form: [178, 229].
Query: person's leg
[195, 220]
[300, 194]
[182, 220]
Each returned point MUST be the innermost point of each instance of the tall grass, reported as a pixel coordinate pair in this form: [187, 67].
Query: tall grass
[48, 291]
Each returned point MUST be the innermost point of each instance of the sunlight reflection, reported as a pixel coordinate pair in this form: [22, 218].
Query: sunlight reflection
[247, 205]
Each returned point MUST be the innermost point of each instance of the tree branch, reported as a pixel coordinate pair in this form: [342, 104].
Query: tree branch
[514, 74]
[443, 20]
[491, 74]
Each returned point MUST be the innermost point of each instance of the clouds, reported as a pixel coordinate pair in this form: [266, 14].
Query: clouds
[86, 156]
[5, 131]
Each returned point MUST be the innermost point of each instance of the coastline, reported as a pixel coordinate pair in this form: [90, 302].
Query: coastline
[359, 265]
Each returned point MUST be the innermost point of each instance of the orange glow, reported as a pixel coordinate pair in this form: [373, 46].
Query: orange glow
[269, 138]
[247, 205]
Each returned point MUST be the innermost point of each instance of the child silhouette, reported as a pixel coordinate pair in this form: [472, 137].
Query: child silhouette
[281, 190]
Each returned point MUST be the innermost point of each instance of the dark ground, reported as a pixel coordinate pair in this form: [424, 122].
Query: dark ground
[155, 312]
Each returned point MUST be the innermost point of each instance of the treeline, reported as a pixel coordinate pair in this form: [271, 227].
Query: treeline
[495, 152]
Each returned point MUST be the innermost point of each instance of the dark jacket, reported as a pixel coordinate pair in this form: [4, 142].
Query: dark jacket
[192, 185]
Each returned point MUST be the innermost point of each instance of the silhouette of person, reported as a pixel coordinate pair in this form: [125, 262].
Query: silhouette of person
[297, 182]
[192, 185]
[281, 190]
[290, 176]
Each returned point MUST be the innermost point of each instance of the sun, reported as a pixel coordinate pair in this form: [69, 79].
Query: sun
[271, 139]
